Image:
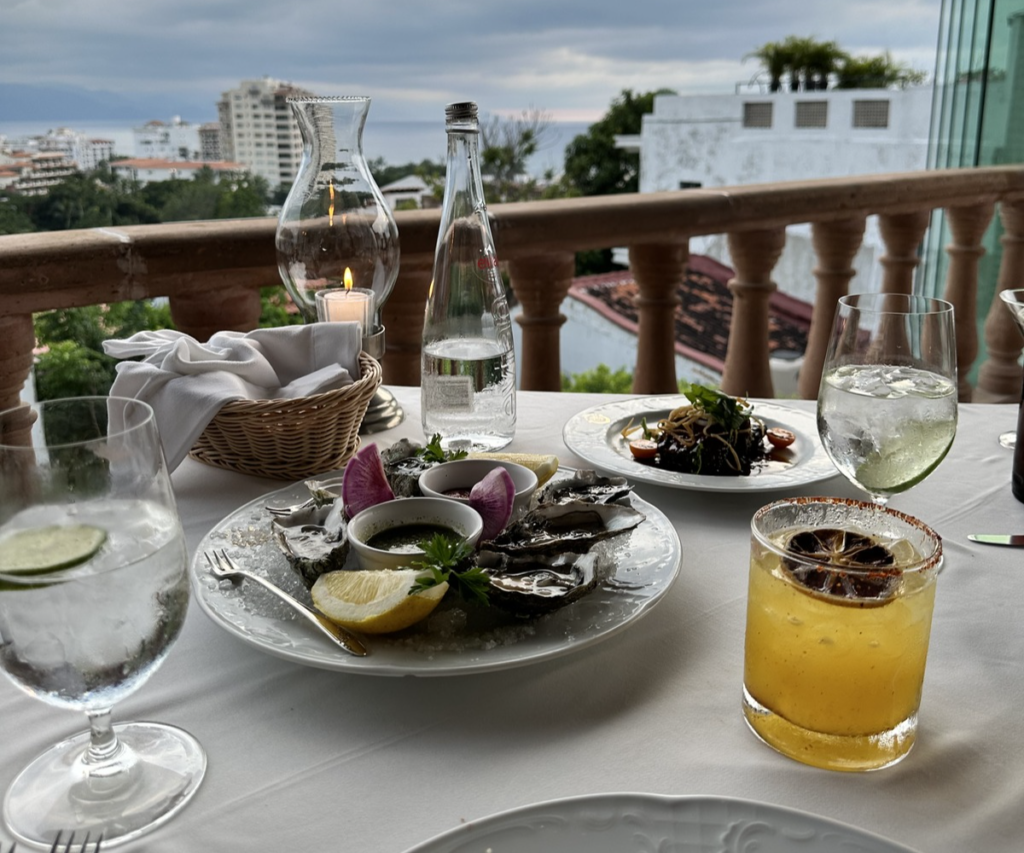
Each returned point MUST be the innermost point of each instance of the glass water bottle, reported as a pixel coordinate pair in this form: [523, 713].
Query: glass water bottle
[468, 363]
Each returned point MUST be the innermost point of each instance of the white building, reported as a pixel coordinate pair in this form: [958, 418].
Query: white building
[411, 188]
[81, 151]
[259, 130]
[727, 140]
[146, 170]
[34, 173]
[173, 140]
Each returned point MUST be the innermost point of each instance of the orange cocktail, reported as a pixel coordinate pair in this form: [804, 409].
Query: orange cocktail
[839, 614]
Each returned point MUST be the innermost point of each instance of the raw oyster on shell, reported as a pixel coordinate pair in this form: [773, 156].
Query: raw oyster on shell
[586, 486]
[314, 539]
[403, 464]
[572, 527]
[532, 585]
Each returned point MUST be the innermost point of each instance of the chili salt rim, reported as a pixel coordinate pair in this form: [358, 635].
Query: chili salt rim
[926, 564]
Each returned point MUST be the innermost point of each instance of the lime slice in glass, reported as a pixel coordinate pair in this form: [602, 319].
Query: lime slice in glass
[40, 550]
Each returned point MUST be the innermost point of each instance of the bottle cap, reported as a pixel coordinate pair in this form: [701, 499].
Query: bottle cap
[462, 111]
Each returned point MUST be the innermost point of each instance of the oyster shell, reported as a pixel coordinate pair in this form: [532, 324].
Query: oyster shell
[403, 465]
[314, 539]
[532, 585]
[570, 527]
[586, 486]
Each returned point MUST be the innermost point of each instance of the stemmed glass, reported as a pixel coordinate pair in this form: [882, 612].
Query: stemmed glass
[93, 592]
[887, 405]
[1014, 300]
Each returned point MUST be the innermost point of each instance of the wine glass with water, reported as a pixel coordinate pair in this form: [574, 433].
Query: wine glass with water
[93, 592]
[887, 404]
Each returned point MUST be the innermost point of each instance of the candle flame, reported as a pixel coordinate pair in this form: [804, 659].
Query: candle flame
[348, 279]
[330, 210]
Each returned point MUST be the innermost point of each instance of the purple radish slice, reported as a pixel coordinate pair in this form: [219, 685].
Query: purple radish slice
[493, 497]
[365, 483]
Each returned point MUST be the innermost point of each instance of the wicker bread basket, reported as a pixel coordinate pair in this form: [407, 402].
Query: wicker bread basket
[290, 439]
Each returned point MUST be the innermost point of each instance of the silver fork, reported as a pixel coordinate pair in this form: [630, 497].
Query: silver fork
[321, 490]
[224, 567]
[69, 846]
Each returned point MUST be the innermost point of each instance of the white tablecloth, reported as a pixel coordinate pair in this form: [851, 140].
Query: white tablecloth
[304, 759]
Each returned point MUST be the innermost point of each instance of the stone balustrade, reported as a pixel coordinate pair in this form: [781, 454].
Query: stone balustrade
[212, 271]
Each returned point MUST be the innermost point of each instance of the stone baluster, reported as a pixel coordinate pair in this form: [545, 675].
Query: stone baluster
[754, 255]
[967, 226]
[402, 316]
[17, 339]
[999, 379]
[658, 269]
[234, 308]
[541, 283]
[902, 234]
[835, 245]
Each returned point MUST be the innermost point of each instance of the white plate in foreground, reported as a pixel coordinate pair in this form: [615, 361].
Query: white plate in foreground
[595, 434]
[651, 564]
[643, 823]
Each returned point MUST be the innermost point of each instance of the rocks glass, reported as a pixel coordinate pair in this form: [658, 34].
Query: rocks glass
[839, 615]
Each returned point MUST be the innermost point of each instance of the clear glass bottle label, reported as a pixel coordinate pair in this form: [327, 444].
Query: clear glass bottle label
[451, 393]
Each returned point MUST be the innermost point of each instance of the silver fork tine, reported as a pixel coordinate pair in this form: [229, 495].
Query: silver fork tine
[67, 848]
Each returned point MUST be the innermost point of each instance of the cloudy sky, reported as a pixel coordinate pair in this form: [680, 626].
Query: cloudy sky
[568, 58]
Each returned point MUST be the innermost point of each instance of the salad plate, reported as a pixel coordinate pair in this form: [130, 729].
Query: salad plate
[595, 434]
[615, 823]
[647, 562]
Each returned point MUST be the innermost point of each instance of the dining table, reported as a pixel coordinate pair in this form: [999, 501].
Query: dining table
[309, 758]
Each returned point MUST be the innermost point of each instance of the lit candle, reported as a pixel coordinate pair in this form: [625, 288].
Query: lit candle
[350, 303]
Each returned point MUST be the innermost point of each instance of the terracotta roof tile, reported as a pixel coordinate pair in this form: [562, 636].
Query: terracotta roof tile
[704, 313]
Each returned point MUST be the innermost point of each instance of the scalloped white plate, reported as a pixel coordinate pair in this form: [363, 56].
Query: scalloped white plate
[595, 435]
[652, 557]
[649, 823]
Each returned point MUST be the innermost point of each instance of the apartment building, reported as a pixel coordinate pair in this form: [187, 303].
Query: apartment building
[209, 142]
[33, 173]
[173, 140]
[258, 129]
[83, 152]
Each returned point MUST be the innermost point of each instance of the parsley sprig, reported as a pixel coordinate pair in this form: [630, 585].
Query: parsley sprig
[731, 412]
[442, 558]
[433, 452]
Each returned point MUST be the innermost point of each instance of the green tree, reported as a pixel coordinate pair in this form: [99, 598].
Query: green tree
[384, 174]
[594, 165]
[13, 218]
[776, 59]
[505, 146]
[600, 380]
[877, 72]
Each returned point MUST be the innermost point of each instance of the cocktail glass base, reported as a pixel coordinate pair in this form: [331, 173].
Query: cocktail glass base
[54, 794]
[850, 753]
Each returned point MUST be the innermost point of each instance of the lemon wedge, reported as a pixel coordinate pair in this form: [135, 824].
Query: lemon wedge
[40, 550]
[544, 466]
[375, 602]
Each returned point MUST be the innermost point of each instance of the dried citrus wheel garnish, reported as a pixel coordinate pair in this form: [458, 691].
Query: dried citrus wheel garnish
[844, 564]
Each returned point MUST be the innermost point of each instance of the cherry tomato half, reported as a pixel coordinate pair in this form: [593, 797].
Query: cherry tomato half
[779, 437]
[643, 448]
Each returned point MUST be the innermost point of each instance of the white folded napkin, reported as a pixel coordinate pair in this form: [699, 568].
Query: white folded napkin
[187, 382]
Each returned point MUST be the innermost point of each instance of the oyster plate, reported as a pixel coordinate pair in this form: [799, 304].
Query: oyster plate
[652, 558]
[613, 823]
[595, 434]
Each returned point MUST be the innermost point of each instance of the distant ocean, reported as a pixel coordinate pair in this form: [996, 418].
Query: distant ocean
[397, 142]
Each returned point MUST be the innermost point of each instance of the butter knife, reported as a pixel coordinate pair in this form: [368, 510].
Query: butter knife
[1015, 539]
